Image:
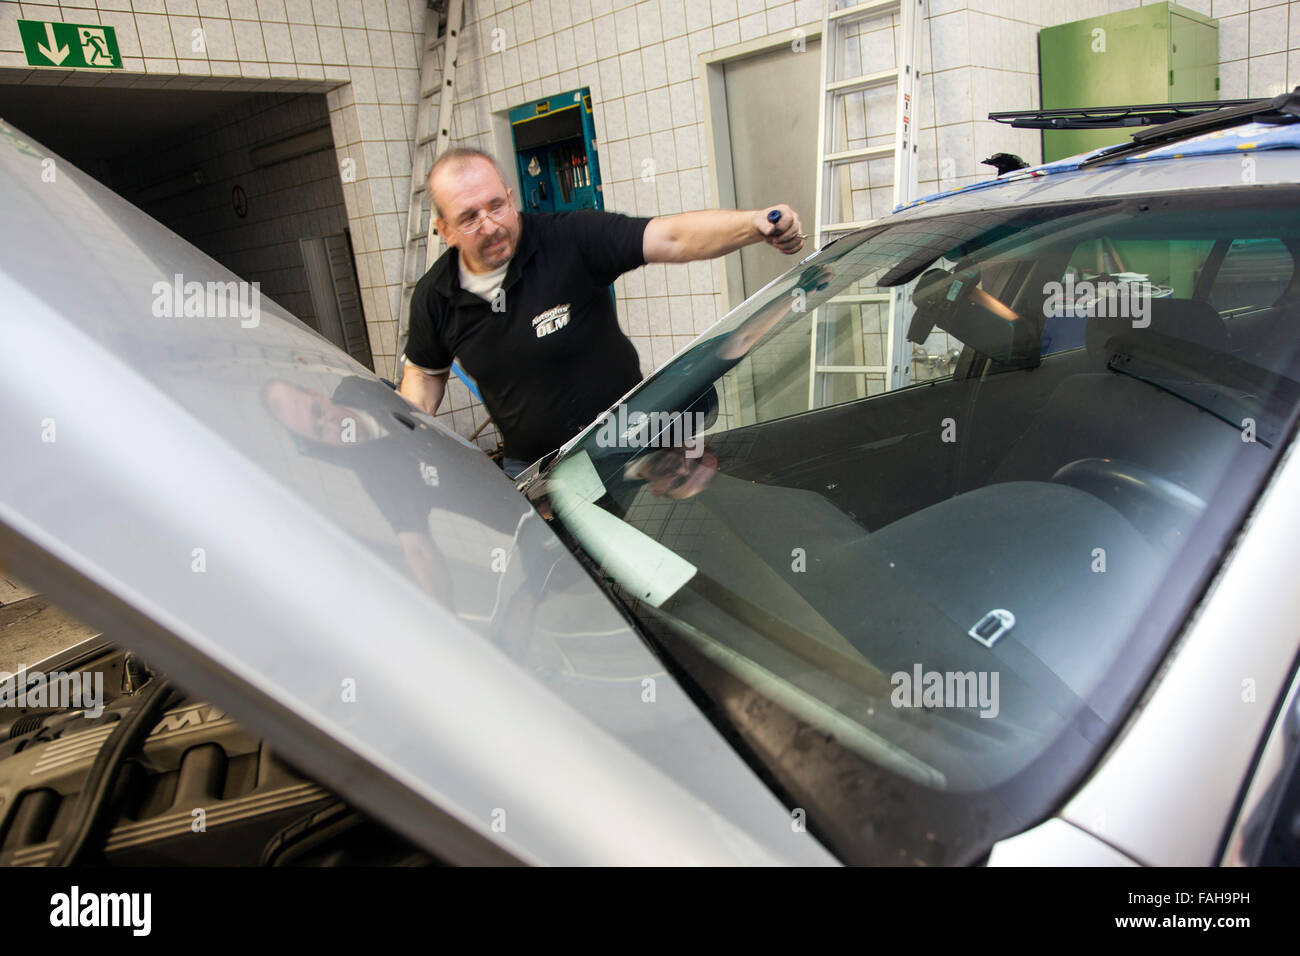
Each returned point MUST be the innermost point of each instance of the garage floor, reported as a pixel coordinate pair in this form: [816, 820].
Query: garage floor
[32, 629]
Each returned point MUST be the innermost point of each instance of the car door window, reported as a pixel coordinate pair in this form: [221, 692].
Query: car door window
[1254, 274]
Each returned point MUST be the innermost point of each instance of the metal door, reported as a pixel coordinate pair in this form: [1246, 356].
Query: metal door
[772, 119]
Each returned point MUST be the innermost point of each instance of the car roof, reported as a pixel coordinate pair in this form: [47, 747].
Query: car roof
[1247, 138]
[467, 684]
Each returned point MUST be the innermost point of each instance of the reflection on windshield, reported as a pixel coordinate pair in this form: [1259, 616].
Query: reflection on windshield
[914, 586]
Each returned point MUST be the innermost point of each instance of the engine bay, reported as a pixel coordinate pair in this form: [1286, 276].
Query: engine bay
[197, 790]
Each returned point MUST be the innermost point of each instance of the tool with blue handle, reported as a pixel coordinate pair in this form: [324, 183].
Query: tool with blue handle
[774, 216]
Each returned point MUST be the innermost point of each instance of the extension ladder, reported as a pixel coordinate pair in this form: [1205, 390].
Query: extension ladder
[870, 53]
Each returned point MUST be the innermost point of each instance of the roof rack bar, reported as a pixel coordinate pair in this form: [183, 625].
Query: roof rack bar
[1111, 117]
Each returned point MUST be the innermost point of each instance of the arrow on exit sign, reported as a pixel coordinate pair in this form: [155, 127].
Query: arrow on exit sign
[77, 45]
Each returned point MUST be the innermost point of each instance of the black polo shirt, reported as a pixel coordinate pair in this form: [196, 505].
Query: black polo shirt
[555, 358]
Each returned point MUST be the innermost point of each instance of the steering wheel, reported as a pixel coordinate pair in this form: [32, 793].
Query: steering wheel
[1159, 508]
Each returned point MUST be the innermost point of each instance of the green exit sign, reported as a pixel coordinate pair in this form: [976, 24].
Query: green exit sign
[70, 44]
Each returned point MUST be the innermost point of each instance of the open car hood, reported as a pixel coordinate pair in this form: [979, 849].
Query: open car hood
[389, 612]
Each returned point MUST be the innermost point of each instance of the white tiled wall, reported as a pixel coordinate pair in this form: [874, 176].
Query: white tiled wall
[984, 53]
[640, 60]
[363, 52]
[1259, 40]
[977, 58]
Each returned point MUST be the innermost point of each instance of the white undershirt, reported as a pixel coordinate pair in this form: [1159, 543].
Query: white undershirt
[482, 284]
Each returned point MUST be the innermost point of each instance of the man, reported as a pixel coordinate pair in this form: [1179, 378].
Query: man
[523, 300]
[338, 429]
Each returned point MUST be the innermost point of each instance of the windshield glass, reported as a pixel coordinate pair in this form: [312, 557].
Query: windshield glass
[917, 521]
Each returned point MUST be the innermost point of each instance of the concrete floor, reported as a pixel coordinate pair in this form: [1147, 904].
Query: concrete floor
[32, 629]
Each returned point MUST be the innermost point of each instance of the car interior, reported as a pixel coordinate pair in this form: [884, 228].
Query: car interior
[1056, 474]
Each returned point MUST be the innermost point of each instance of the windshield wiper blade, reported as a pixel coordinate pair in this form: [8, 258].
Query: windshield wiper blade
[1280, 109]
[1209, 397]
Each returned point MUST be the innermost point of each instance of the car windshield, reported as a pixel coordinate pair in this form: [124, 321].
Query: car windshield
[916, 523]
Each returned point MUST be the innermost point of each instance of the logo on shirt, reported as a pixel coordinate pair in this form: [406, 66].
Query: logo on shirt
[552, 320]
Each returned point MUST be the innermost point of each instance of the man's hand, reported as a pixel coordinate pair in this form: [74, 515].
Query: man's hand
[784, 234]
[423, 389]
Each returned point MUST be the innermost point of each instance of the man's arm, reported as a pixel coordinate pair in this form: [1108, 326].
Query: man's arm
[426, 563]
[423, 389]
[709, 233]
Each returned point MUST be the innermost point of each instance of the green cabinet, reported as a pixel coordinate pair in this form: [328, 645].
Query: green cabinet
[1160, 53]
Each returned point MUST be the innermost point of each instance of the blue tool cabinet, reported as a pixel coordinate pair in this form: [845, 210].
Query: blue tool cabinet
[555, 152]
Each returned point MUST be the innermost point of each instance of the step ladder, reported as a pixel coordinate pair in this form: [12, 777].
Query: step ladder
[432, 136]
[870, 53]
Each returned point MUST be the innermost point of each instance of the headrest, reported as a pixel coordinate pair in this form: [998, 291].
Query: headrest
[1190, 320]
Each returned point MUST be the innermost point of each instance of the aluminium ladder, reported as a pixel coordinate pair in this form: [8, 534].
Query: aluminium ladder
[437, 87]
[851, 89]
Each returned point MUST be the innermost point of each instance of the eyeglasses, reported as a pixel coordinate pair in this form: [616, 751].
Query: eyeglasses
[497, 212]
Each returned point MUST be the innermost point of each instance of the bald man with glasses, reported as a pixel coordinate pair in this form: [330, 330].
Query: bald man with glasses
[523, 302]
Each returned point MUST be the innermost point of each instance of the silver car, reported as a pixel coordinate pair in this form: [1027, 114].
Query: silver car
[971, 539]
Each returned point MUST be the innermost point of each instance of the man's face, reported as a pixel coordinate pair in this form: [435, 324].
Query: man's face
[466, 193]
[308, 413]
[670, 472]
